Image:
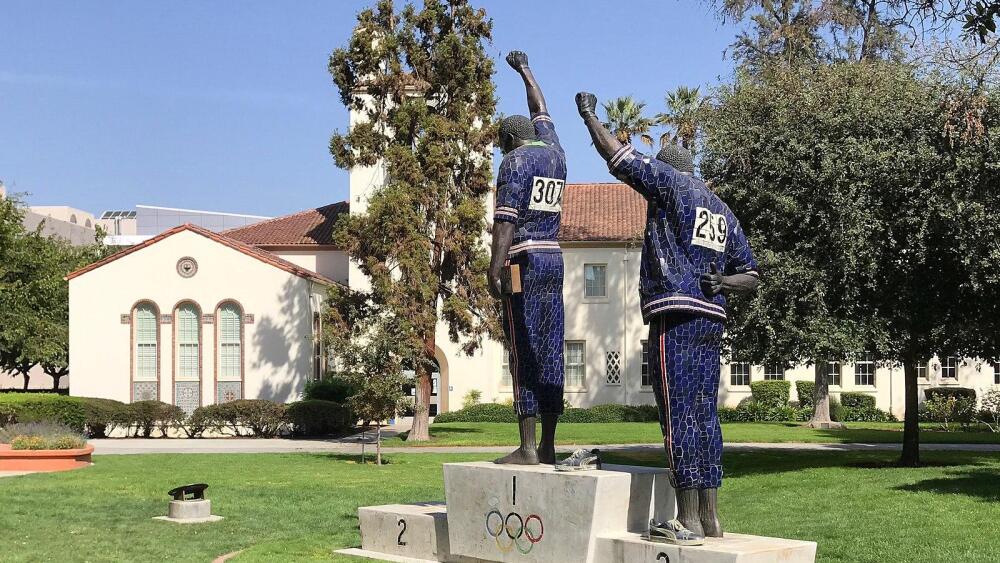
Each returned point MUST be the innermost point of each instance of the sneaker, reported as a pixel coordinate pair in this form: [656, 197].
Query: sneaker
[581, 460]
[672, 532]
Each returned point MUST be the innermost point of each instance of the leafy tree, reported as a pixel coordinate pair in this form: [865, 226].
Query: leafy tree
[683, 116]
[421, 81]
[868, 195]
[624, 118]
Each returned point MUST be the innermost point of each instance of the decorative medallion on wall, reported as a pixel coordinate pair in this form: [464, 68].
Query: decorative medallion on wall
[187, 395]
[229, 391]
[144, 391]
[187, 267]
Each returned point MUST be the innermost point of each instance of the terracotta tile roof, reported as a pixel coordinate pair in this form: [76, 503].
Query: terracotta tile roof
[262, 255]
[602, 212]
[311, 227]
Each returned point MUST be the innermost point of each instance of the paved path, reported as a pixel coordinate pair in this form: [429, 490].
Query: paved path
[351, 446]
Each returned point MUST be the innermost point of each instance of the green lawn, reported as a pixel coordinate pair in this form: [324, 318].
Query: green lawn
[499, 434]
[298, 507]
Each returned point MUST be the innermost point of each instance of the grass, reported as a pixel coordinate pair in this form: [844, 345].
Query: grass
[502, 434]
[298, 507]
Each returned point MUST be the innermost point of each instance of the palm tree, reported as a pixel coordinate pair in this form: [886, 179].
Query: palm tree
[625, 119]
[683, 116]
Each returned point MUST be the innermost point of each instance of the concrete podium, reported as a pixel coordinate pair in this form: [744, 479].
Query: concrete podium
[534, 514]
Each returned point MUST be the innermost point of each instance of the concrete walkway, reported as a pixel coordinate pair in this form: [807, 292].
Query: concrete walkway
[352, 446]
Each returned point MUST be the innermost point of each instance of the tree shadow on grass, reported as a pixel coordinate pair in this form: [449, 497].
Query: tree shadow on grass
[982, 484]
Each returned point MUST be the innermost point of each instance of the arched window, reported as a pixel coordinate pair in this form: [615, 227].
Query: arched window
[145, 352]
[229, 346]
[187, 357]
[72, 218]
[88, 223]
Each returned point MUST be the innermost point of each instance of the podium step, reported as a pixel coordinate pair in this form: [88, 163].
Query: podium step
[733, 548]
[417, 532]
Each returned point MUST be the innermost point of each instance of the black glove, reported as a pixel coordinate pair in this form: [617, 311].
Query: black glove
[586, 104]
[517, 60]
[711, 283]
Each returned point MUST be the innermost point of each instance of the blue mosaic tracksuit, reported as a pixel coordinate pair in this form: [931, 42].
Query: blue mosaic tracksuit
[688, 228]
[529, 194]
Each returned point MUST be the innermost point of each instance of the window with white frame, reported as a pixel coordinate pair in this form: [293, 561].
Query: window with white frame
[187, 328]
[230, 352]
[949, 368]
[864, 371]
[996, 371]
[922, 368]
[145, 352]
[505, 378]
[576, 365]
[644, 367]
[774, 372]
[739, 373]
[595, 278]
[833, 373]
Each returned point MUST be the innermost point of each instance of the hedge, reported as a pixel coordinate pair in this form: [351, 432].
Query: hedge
[485, 412]
[102, 415]
[253, 417]
[806, 392]
[142, 417]
[332, 388]
[497, 412]
[8, 415]
[855, 400]
[771, 393]
[957, 392]
[50, 407]
[318, 418]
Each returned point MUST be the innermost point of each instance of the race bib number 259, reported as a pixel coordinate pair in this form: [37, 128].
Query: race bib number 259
[710, 230]
[546, 194]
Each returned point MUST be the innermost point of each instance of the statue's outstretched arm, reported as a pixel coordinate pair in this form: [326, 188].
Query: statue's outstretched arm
[606, 143]
[536, 101]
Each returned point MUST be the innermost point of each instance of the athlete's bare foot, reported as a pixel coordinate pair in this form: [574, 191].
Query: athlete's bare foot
[520, 456]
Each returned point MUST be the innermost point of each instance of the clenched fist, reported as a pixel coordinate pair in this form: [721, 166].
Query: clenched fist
[517, 60]
[586, 104]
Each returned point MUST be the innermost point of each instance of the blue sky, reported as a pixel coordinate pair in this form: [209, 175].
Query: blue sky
[228, 105]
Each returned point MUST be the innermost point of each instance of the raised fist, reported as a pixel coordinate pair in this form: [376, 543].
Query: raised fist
[711, 282]
[517, 60]
[586, 104]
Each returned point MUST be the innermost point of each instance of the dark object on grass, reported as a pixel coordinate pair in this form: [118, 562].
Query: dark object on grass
[196, 490]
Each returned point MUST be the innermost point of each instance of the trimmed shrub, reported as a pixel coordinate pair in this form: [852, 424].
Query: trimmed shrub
[8, 415]
[331, 388]
[486, 412]
[806, 391]
[201, 420]
[771, 393]
[838, 413]
[253, 417]
[950, 392]
[575, 414]
[472, 397]
[41, 436]
[142, 417]
[46, 407]
[318, 418]
[608, 413]
[101, 415]
[859, 401]
[729, 414]
[642, 413]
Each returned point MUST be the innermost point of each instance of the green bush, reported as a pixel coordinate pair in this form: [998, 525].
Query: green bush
[949, 408]
[330, 388]
[46, 407]
[253, 417]
[101, 415]
[8, 415]
[485, 412]
[950, 392]
[577, 415]
[41, 436]
[855, 400]
[867, 415]
[806, 391]
[642, 413]
[838, 412]
[318, 418]
[608, 413]
[142, 417]
[729, 414]
[204, 418]
[771, 393]
[472, 397]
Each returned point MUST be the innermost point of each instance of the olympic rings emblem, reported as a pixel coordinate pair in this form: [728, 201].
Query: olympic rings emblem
[514, 531]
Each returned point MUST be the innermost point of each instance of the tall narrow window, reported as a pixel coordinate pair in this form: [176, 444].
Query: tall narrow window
[576, 367]
[187, 357]
[739, 373]
[145, 353]
[833, 372]
[864, 371]
[505, 378]
[774, 372]
[949, 368]
[644, 369]
[922, 368]
[229, 386]
[595, 278]
[996, 371]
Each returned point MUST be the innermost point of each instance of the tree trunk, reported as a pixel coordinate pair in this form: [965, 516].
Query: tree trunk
[364, 437]
[56, 378]
[378, 443]
[420, 431]
[821, 400]
[27, 380]
[911, 421]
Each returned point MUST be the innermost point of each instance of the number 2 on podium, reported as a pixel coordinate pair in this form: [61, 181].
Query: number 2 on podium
[399, 538]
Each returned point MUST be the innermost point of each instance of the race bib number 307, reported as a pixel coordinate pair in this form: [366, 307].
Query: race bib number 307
[710, 230]
[546, 194]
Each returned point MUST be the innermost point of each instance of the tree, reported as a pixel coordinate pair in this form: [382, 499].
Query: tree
[624, 118]
[683, 116]
[867, 194]
[786, 32]
[422, 83]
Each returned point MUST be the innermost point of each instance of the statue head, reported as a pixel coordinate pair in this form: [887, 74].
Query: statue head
[516, 130]
[677, 156]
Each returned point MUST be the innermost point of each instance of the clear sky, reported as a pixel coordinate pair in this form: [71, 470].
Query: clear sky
[228, 106]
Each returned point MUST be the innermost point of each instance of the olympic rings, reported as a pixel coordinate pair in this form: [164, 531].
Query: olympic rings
[523, 537]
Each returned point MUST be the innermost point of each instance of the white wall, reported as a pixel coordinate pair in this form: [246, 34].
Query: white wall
[277, 346]
[333, 264]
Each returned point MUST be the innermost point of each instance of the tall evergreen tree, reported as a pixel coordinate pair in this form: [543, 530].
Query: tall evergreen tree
[421, 81]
